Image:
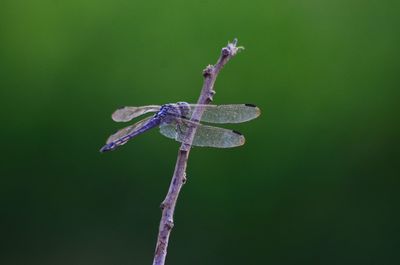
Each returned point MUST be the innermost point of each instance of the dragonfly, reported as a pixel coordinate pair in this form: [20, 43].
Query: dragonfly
[174, 121]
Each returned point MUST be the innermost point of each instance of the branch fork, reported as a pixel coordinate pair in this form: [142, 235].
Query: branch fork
[210, 74]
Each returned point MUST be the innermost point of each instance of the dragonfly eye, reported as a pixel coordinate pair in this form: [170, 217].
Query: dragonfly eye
[184, 109]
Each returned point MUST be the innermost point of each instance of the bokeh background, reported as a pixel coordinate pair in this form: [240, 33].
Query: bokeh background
[316, 183]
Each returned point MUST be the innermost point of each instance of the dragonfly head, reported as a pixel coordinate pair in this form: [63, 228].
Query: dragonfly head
[184, 109]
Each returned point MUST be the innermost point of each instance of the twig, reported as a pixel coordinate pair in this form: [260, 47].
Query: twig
[179, 178]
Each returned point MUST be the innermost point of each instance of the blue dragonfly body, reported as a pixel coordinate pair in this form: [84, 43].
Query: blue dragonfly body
[174, 122]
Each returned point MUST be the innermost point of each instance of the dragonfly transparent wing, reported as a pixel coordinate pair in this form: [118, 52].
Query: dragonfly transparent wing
[129, 113]
[233, 113]
[205, 135]
[127, 130]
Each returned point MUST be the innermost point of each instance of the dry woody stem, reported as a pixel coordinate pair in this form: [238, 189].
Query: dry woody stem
[179, 178]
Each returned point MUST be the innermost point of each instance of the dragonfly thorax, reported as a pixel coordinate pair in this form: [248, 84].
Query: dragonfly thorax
[180, 110]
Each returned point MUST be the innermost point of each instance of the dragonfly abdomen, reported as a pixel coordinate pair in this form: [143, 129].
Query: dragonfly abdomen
[124, 139]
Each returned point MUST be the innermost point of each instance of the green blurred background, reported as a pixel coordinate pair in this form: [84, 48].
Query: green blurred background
[316, 183]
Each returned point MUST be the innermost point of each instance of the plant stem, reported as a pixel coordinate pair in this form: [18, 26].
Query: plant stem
[179, 178]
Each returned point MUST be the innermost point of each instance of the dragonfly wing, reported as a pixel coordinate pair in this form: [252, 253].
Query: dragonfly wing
[206, 136]
[233, 113]
[128, 113]
[127, 130]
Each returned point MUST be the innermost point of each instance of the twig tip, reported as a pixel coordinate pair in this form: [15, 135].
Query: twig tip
[231, 49]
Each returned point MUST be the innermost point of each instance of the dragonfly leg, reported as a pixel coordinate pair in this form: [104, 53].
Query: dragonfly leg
[183, 127]
[179, 128]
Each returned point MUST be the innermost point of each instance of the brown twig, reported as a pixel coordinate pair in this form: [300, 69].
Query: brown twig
[179, 178]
